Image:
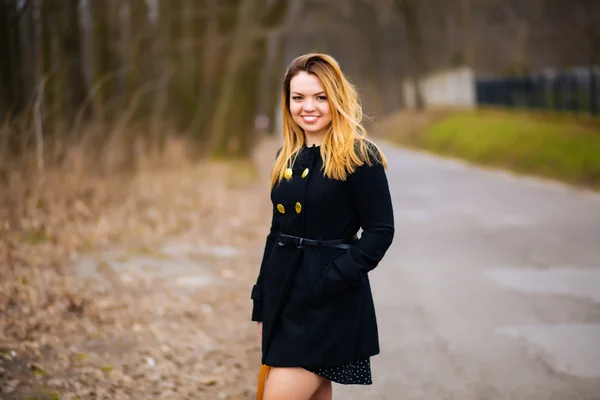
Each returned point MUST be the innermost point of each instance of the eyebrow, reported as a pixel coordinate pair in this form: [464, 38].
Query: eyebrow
[316, 94]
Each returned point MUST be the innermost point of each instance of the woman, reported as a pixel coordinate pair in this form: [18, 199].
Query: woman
[312, 298]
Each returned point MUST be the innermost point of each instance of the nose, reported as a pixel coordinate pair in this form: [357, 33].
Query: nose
[309, 105]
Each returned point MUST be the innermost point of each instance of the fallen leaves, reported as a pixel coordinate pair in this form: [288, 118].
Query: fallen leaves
[128, 330]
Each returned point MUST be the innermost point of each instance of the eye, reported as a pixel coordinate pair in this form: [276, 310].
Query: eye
[296, 98]
[322, 98]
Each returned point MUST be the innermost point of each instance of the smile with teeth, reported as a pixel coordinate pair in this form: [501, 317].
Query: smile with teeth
[309, 118]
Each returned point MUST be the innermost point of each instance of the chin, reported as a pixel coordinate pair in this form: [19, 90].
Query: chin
[313, 129]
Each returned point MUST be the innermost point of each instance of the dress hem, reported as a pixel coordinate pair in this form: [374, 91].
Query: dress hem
[354, 373]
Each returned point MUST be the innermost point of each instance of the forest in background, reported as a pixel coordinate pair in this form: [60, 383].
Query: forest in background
[100, 84]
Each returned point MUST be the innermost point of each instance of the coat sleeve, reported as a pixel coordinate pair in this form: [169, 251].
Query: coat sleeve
[373, 204]
[257, 289]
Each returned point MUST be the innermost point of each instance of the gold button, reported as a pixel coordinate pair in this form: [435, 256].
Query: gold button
[298, 208]
[287, 174]
[281, 208]
[305, 173]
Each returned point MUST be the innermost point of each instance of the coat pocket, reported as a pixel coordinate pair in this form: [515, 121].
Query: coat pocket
[331, 283]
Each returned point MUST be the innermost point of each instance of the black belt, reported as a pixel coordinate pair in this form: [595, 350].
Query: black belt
[301, 242]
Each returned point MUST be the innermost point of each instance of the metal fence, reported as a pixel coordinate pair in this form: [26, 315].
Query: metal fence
[577, 90]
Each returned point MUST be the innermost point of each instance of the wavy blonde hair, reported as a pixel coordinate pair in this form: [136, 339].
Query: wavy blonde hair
[345, 146]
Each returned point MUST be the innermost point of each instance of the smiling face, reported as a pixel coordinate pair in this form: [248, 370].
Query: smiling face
[309, 106]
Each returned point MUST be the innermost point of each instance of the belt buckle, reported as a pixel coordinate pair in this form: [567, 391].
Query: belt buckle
[299, 242]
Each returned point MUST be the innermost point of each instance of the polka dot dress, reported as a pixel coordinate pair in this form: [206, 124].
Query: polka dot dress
[354, 373]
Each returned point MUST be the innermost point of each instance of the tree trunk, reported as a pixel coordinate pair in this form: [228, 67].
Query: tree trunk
[466, 22]
[215, 64]
[187, 48]
[27, 60]
[103, 56]
[364, 16]
[10, 101]
[7, 102]
[231, 121]
[274, 83]
[409, 10]
[245, 130]
[75, 86]
[227, 108]
[86, 20]
[142, 79]
[125, 80]
[54, 72]
[38, 107]
[202, 43]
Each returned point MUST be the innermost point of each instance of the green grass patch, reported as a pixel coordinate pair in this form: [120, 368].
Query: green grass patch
[38, 371]
[48, 395]
[37, 237]
[560, 149]
[107, 369]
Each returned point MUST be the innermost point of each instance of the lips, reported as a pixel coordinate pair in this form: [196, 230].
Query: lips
[310, 119]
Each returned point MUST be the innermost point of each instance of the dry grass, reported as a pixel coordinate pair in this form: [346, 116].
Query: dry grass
[88, 204]
[45, 218]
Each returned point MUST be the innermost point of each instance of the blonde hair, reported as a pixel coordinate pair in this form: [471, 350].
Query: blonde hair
[345, 146]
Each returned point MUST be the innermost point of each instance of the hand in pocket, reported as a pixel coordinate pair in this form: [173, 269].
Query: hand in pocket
[332, 283]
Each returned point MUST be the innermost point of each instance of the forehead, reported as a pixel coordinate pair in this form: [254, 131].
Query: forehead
[306, 83]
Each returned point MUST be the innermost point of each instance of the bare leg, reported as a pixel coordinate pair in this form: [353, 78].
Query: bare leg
[324, 392]
[291, 384]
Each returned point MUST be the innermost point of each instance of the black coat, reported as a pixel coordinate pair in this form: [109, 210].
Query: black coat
[328, 316]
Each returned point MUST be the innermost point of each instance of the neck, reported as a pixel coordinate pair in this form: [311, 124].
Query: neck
[313, 139]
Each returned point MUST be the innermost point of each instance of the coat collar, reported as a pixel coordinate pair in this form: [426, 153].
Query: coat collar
[309, 153]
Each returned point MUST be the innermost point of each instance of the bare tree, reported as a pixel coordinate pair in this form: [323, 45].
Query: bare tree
[466, 29]
[40, 80]
[235, 111]
[206, 68]
[11, 91]
[409, 10]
